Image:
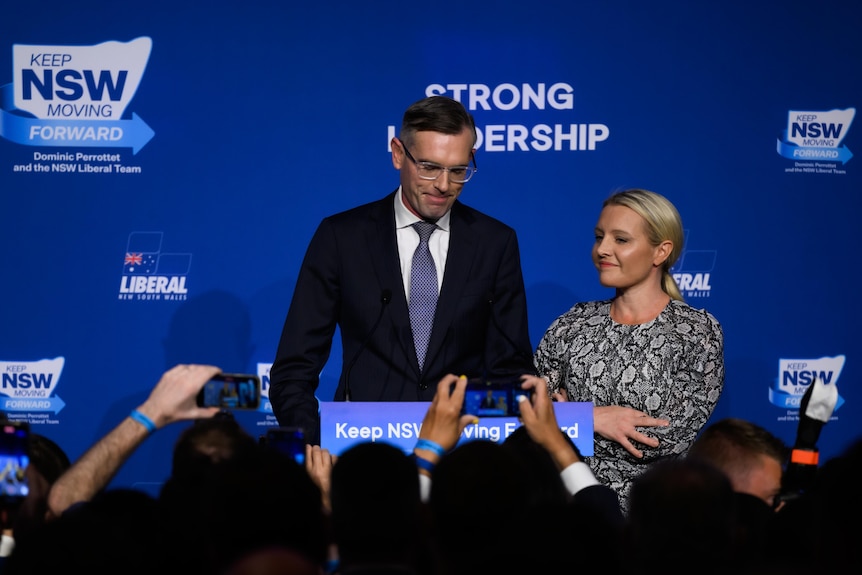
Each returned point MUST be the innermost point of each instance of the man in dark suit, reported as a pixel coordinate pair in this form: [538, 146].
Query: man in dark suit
[356, 274]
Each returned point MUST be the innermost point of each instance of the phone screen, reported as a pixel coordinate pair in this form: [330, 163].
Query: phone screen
[14, 459]
[490, 398]
[231, 391]
[288, 440]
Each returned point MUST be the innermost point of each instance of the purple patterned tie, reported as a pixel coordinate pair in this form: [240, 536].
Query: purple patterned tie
[423, 291]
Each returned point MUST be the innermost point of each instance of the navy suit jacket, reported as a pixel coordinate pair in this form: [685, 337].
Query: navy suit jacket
[351, 277]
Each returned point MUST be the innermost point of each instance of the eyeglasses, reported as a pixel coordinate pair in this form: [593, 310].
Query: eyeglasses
[432, 171]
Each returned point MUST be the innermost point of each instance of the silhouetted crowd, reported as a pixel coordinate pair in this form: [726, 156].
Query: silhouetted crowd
[234, 505]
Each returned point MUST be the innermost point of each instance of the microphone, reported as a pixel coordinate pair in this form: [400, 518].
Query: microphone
[518, 351]
[385, 298]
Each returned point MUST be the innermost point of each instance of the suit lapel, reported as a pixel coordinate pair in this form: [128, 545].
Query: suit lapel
[383, 246]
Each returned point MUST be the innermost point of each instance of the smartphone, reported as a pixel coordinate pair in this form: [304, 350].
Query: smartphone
[14, 459]
[287, 440]
[493, 398]
[231, 391]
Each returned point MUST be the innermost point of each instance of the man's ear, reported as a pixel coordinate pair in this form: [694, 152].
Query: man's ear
[397, 153]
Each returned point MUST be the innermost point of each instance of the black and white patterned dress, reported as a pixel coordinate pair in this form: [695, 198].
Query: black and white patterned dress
[671, 367]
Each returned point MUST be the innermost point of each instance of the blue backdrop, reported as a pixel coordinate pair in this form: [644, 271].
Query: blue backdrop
[164, 164]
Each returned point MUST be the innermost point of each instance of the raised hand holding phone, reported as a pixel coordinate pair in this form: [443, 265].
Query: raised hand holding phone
[231, 391]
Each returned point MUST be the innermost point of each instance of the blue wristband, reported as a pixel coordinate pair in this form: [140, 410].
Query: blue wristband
[423, 463]
[143, 420]
[430, 446]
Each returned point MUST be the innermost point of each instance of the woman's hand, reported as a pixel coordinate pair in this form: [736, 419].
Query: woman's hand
[621, 424]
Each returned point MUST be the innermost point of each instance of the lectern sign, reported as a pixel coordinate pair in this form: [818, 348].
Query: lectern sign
[343, 424]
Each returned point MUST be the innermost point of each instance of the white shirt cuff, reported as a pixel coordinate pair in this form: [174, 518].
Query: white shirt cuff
[577, 476]
[7, 544]
[424, 487]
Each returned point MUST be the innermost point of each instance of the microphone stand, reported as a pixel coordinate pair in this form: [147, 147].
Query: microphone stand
[385, 298]
[518, 351]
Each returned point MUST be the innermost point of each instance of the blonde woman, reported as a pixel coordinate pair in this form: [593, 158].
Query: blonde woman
[652, 365]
